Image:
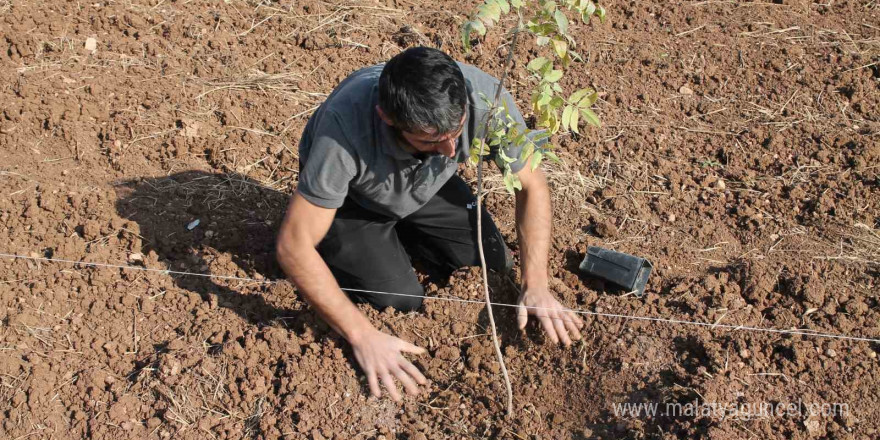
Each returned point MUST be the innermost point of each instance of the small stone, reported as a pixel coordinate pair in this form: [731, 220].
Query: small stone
[831, 352]
[685, 90]
[720, 185]
[91, 44]
[136, 257]
[745, 354]
[872, 355]
[606, 229]
[670, 218]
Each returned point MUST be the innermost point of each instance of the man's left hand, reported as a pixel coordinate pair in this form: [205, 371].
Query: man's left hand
[560, 323]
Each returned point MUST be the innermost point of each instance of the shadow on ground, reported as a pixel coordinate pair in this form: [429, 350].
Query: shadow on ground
[237, 220]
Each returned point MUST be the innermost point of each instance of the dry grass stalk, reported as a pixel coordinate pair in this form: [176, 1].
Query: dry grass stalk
[286, 82]
[569, 187]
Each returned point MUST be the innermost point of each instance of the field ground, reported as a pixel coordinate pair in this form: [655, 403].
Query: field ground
[739, 152]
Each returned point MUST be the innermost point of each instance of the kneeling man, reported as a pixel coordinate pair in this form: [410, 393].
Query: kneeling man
[378, 168]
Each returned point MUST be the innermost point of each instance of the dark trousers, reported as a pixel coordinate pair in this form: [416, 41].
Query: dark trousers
[366, 250]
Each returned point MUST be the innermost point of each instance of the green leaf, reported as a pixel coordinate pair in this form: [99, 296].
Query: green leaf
[505, 7]
[537, 64]
[536, 159]
[508, 182]
[516, 3]
[573, 122]
[492, 10]
[600, 12]
[591, 117]
[575, 56]
[552, 156]
[479, 148]
[589, 10]
[566, 60]
[511, 181]
[588, 100]
[543, 117]
[528, 150]
[478, 27]
[561, 21]
[577, 95]
[553, 76]
[566, 116]
[466, 36]
[544, 99]
[505, 157]
[556, 102]
[542, 40]
[543, 134]
[560, 47]
[549, 7]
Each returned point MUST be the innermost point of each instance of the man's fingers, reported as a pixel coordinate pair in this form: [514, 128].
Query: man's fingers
[374, 384]
[559, 324]
[411, 348]
[413, 371]
[548, 327]
[406, 380]
[390, 386]
[571, 323]
[522, 316]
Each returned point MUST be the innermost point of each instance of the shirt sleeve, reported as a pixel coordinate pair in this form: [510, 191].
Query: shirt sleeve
[330, 166]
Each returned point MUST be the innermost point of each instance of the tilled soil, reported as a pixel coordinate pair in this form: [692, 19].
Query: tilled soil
[739, 153]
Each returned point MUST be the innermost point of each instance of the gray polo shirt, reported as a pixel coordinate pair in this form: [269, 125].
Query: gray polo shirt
[347, 150]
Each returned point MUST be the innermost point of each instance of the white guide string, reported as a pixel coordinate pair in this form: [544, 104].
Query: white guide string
[799, 332]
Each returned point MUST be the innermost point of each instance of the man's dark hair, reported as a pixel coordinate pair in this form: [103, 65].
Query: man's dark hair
[423, 89]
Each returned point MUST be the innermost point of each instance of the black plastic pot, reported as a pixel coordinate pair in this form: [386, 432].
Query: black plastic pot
[624, 270]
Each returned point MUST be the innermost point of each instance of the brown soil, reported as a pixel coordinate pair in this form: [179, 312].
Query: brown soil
[739, 153]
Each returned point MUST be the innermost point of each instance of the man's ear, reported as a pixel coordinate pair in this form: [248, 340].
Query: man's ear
[384, 117]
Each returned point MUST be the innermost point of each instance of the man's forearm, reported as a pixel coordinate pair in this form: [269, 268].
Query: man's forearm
[316, 283]
[533, 227]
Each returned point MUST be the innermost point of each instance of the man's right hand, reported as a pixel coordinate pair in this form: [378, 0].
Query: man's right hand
[381, 357]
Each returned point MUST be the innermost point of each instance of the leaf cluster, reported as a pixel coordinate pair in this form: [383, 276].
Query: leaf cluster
[505, 133]
[549, 23]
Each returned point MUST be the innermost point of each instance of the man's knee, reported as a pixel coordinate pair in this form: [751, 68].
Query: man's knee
[404, 295]
[404, 303]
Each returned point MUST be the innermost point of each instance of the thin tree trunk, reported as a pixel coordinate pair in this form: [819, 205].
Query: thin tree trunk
[512, 49]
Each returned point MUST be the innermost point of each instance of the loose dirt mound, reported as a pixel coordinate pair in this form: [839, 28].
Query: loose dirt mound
[739, 153]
